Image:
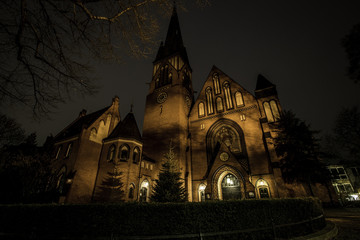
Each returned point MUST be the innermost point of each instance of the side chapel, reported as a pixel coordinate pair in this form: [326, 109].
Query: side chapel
[222, 140]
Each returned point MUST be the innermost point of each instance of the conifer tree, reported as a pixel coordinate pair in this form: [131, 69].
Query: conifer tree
[169, 187]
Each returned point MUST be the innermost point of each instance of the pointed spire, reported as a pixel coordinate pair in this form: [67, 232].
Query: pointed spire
[173, 42]
[264, 87]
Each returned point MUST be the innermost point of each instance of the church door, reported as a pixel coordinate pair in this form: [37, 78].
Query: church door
[230, 187]
[143, 194]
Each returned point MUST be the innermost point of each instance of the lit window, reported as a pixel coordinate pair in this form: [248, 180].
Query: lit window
[275, 110]
[242, 117]
[262, 188]
[202, 188]
[68, 150]
[268, 112]
[151, 167]
[209, 101]
[124, 152]
[202, 126]
[228, 99]
[111, 153]
[136, 155]
[239, 99]
[142, 164]
[219, 104]
[201, 109]
[147, 166]
[216, 83]
[58, 152]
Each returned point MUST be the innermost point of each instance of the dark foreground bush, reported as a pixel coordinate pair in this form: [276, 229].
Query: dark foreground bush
[254, 219]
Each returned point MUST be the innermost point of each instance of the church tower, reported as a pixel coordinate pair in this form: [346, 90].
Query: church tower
[169, 101]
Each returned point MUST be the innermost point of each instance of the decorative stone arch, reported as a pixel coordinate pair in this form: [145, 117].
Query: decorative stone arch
[219, 176]
[233, 137]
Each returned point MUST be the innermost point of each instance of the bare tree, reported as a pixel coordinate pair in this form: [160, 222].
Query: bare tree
[45, 44]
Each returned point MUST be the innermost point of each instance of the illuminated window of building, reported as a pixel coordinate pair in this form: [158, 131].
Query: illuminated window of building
[202, 188]
[111, 153]
[209, 101]
[275, 110]
[124, 151]
[343, 188]
[151, 167]
[136, 155]
[219, 104]
[242, 117]
[58, 152]
[142, 164]
[144, 191]
[228, 99]
[239, 99]
[147, 166]
[338, 173]
[201, 109]
[262, 188]
[268, 112]
[131, 191]
[216, 83]
[202, 126]
[68, 150]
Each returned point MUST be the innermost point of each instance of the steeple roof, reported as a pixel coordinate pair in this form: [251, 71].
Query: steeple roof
[263, 83]
[173, 43]
[127, 129]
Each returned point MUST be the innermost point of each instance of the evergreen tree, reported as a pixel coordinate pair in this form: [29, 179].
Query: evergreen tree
[169, 187]
[112, 187]
[298, 150]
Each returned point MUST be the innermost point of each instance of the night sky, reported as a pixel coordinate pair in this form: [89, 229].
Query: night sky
[294, 44]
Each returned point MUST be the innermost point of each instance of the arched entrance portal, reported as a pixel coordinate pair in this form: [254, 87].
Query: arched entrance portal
[230, 187]
[144, 191]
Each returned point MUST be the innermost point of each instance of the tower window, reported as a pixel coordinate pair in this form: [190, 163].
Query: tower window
[219, 104]
[201, 109]
[136, 155]
[124, 152]
[216, 83]
[271, 111]
[68, 150]
[209, 101]
[228, 99]
[111, 153]
[239, 99]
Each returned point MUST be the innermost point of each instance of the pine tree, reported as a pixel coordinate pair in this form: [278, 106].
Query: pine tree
[169, 187]
[112, 187]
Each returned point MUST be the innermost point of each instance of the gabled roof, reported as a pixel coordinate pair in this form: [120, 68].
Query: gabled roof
[263, 83]
[173, 43]
[127, 128]
[83, 121]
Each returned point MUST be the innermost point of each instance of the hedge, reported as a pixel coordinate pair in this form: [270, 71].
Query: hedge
[268, 218]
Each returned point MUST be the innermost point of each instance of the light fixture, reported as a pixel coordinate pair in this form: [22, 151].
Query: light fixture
[202, 187]
[262, 183]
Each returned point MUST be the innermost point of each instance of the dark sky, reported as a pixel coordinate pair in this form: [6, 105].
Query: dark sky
[295, 44]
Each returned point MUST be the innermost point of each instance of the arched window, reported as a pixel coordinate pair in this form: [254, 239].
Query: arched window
[124, 152]
[58, 152]
[144, 191]
[201, 109]
[68, 150]
[157, 83]
[131, 191]
[275, 110]
[170, 78]
[60, 179]
[202, 188]
[136, 155]
[93, 134]
[209, 100]
[262, 188]
[219, 104]
[111, 153]
[216, 83]
[228, 99]
[268, 112]
[239, 99]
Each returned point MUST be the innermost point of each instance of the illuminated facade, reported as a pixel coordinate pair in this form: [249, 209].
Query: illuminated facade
[222, 140]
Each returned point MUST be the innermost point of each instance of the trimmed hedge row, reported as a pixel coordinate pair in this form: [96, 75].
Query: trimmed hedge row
[90, 221]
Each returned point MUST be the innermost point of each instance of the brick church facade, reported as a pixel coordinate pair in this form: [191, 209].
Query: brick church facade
[222, 140]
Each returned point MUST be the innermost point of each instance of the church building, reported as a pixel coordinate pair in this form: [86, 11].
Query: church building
[222, 139]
